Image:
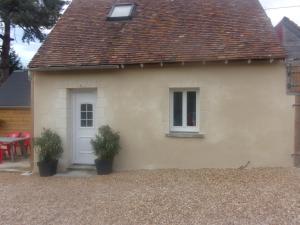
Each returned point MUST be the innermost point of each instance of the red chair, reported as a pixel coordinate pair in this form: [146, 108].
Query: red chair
[1, 155]
[7, 147]
[27, 142]
[13, 134]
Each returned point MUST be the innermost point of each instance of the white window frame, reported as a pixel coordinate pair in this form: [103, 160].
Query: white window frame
[184, 127]
[93, 117]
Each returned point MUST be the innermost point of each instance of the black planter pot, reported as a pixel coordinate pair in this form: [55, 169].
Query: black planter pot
[47, 168]
[103, 166]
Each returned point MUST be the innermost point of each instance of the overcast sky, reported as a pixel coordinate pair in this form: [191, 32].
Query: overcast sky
[26, 51]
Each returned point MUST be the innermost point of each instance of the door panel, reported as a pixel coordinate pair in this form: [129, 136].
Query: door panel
[84, 105]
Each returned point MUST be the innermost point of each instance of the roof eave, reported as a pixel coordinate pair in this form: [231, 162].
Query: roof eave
[118, 66]
[62, 68]
[15, 107]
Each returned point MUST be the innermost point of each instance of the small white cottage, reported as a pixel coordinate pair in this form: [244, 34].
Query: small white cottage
[188, 84]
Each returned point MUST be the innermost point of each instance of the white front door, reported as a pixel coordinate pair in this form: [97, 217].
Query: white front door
[84, 127]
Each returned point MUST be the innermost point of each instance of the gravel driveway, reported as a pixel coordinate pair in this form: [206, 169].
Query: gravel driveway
[254, 196]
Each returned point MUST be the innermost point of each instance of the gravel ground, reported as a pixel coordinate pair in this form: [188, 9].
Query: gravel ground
[209, 196]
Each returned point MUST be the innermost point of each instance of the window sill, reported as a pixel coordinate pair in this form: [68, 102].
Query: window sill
[185, 135]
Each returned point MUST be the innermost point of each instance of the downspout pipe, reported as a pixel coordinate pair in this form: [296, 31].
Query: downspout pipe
[296, 154]
[31, 78]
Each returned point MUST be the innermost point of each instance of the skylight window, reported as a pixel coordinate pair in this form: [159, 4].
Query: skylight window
[121, 12]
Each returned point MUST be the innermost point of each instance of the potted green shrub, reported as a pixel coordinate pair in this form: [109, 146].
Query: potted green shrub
[106, 145]
[49, 149]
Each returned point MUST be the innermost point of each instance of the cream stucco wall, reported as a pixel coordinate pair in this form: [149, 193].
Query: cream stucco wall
[245, 114]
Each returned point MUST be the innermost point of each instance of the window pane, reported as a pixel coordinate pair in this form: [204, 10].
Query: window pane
[89, 123]
[89, 107]
[83, 123]
[121, 10]
[90, 115]
[177, 109]
[83, 115]
[83, 107]
[191, 108]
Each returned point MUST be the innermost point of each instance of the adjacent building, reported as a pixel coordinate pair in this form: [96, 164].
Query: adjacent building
[15, 107]
[289, 35]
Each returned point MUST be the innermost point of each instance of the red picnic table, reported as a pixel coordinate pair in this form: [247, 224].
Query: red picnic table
[10, 141]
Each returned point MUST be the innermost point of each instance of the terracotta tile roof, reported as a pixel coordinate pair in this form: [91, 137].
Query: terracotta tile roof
[160, 30]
